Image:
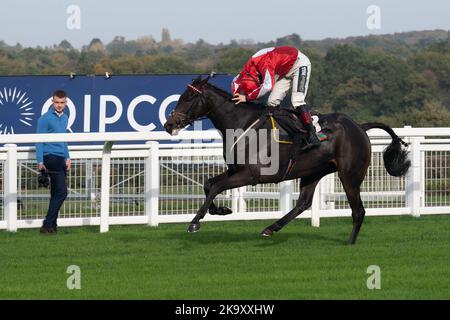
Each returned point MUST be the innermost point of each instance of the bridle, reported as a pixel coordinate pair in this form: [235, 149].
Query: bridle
[195, 89]
[183, 116]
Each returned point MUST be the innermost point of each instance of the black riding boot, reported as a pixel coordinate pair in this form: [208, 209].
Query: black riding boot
[312, 139]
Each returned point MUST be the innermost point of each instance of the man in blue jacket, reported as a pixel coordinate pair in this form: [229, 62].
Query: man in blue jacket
[54, 158]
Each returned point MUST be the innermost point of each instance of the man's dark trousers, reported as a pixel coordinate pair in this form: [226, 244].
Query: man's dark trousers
[56, 167]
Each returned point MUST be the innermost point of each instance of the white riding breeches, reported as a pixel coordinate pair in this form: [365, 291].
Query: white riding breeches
[296, 79]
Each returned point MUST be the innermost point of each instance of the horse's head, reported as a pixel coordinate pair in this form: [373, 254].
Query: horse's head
[190, 107]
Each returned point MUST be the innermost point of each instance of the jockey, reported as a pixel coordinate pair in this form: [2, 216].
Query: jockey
[276, 70]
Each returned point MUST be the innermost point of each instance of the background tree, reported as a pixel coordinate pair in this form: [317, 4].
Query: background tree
[400, 79]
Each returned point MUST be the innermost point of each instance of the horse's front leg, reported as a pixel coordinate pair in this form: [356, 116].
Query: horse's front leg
[224, 182]
[213, 209]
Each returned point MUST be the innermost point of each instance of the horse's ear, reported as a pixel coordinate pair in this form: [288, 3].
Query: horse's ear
[198, 79]
[205, 81]
[201, 82]
[210, 76]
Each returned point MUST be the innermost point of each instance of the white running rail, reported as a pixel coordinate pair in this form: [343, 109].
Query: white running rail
[160, 182]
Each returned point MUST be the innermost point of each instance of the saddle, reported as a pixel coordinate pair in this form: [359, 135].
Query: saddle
[286, 125]
[287, 128]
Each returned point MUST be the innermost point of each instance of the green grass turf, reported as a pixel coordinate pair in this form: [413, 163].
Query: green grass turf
[229, 260]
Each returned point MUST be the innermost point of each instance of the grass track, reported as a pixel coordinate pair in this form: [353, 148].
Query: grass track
[229, 260]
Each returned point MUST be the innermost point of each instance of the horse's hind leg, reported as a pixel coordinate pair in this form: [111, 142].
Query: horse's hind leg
[307, 187]
[352, 188]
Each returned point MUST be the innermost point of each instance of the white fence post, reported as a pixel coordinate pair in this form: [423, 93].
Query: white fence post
[315, 207]
[327, 189]
[242, 204]
[286, 190]
[11, 188]
[106, 174]
[413, 178]
[235, 200]
[152, 184]
[89, 184]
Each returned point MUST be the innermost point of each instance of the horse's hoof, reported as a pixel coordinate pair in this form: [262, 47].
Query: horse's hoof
[193, 227]
[223, 211]
[220, 211]
[266, 233]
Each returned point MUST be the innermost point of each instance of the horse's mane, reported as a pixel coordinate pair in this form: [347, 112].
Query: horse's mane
[224, 93]
[251, 105]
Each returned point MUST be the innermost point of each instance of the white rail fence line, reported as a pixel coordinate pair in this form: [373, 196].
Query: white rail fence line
[156, 183]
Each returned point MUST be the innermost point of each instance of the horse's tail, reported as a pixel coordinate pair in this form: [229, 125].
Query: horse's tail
[395, 157]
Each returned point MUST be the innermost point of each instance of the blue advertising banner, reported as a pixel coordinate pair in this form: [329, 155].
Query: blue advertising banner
[96, 103]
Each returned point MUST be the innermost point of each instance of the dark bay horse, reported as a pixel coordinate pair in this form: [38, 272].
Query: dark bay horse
[347, 151]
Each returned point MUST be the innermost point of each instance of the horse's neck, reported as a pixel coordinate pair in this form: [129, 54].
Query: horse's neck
[225, 114]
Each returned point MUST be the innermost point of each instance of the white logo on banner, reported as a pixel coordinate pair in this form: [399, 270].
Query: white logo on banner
[16, 109]
[14, 102]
